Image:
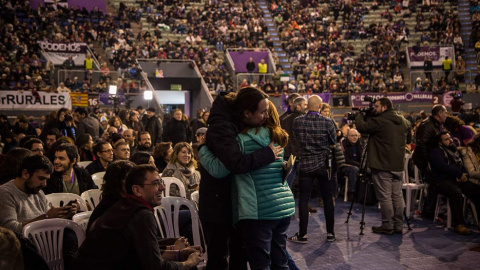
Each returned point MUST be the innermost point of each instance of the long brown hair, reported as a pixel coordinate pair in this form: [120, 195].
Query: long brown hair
[279, 135]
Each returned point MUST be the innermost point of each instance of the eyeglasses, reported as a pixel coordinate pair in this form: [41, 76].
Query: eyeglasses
[38, 150]
[108, 150]
[156, 183]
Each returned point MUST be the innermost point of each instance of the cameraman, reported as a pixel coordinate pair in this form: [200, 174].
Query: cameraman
[385, 157]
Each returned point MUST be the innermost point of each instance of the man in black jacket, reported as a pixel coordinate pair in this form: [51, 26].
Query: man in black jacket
[352, 149]
[126, 236]
[153, 125]
[215, 208]
[300, 107]
[425, 142]
[68, 178]
[250, 69]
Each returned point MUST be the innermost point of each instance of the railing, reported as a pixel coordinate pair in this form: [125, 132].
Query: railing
[436, 75]
[95, 60]
[261, 77]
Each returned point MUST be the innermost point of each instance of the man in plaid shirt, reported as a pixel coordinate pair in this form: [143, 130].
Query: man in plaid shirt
[315, 134]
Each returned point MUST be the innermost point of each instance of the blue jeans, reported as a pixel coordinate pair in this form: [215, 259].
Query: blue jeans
[351, 172]
[305, 186]
[266, 242]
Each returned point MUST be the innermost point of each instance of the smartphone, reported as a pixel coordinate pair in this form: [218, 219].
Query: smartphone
[71, 202]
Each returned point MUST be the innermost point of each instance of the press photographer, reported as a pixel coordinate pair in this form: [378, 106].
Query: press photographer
[387, 130]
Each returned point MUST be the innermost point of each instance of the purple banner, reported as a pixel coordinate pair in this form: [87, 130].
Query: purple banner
[324, 96]
[357, 99]
[104, 99]
[88, 4]
[432, 52]
[240, 60]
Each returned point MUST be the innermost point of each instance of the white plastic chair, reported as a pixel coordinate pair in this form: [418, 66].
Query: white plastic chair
[195, 197]
[92, 197]
[173, 180]
[449, 211]
[62, 199]
[410, 187]
[82, 219]
[98, 179]
[170, 217]
[47, 236]
[83, 164]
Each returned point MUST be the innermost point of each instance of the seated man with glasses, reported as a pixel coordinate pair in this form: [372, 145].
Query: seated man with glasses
[68, 178]
[126, 236]
[103, 152]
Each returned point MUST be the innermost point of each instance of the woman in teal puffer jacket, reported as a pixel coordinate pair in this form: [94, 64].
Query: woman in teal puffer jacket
[262, 203]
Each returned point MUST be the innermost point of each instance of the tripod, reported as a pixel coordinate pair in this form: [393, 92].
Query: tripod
[366, 178]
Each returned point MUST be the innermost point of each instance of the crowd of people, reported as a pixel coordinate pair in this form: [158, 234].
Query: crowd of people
[45, 159]
[233, 157]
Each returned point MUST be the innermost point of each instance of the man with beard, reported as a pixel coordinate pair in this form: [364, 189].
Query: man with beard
[449, 178]
[103, 151]
[144, 142]
[387, 132]
[68, 178]
[126, 236]
[153, 125]
[23, 200]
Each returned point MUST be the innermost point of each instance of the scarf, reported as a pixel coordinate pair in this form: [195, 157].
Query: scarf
[186, 173]
[455, 155]
[141, 200]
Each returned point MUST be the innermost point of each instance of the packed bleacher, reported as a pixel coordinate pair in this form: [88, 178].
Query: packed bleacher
[337, 47]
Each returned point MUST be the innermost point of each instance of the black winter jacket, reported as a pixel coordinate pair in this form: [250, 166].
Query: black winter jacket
[223, 127]
[292, 146]
[425, 141]
[177, 131]
[125, 237]
[85, 182]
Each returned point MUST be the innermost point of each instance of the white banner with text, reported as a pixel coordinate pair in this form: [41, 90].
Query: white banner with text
[15, 100]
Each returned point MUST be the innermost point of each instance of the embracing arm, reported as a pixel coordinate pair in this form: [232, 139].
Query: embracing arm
[211, 163]
[221, 140]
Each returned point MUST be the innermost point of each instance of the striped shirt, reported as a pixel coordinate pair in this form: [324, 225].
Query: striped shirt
[314, 134]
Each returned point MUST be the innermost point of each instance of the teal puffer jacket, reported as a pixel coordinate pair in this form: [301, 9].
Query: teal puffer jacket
[260, 194]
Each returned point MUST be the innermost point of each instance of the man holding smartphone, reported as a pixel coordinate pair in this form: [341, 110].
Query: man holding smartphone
[23, 200]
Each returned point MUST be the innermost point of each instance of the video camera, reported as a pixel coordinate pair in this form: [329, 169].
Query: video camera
[456, 95]
[366, 111]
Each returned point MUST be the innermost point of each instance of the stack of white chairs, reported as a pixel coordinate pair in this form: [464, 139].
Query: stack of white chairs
[47, 236]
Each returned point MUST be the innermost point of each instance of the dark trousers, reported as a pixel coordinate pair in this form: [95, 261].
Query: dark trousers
[266, 242]
[325, 190]
[220, 239]
[454, 190]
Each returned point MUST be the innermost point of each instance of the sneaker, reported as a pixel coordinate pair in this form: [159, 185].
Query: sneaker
[312, 209]
[382, 230]
[461, 229]
[298, 239]
[331, 237]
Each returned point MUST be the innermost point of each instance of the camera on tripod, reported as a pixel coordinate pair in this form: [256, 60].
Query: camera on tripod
[366, 111]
